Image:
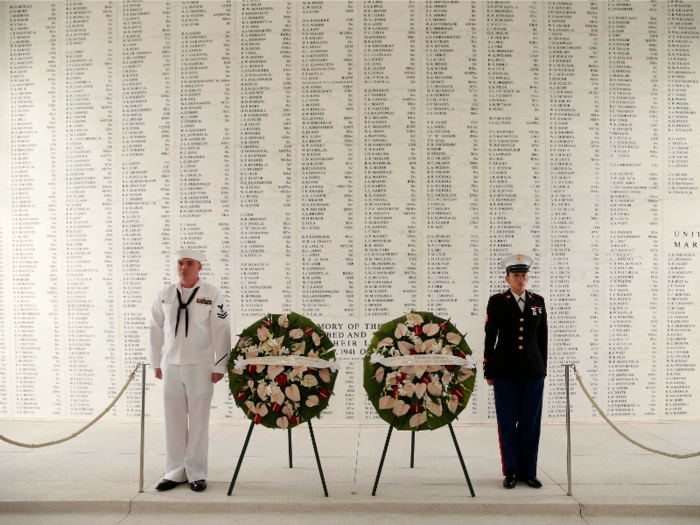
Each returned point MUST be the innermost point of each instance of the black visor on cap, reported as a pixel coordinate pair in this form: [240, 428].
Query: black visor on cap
[518, 268]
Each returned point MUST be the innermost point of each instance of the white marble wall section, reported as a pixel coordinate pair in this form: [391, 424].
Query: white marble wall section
[350, 161]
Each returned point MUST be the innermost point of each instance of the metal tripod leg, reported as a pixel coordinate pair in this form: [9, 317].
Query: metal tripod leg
[381, 463]
[318, 459]
[240, 459]
[290, 447]
[413, 446]
[461, 460]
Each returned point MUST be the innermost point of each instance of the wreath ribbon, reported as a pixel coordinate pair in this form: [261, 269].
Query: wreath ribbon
[286, 360]
[424, 360]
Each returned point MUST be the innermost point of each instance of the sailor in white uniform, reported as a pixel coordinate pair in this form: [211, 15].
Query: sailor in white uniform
[190, 347]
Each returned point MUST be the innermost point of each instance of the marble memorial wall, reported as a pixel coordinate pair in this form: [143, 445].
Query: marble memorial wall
[350, 161]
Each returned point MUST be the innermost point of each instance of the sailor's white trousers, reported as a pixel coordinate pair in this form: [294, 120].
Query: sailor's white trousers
[187, 395]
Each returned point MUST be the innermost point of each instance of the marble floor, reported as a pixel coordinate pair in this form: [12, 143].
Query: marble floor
[94, 478]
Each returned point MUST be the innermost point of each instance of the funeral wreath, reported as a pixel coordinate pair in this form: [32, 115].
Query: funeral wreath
[419, 372]
[282, 371]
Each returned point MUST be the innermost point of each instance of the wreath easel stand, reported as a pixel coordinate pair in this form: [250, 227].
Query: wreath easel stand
[413, 448]
[289, 436]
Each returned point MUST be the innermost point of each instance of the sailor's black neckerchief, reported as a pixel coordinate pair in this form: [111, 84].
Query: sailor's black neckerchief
[183, 306]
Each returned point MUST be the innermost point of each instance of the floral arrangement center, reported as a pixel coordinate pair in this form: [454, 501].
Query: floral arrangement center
[419, 372]
[282, 371]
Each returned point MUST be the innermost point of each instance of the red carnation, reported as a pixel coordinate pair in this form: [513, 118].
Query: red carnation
[241, 394]
[413, 352]
[311, 370]
[415, 408]
[251, 369]
[308, 331]
[458, 392]
[462, 354]
[267, 324]
[324, 393]
[394, 391]
[257, 419]
[418, 330]
[401, 378]
[275, 407]
[281, 380]
[426, 379]
[443, 326]
[293, 420]
[450, 367]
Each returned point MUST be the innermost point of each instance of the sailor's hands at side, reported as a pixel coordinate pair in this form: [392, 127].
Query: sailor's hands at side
[215, 378]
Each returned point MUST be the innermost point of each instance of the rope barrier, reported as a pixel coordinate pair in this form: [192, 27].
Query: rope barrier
[648, 449]
[75, 434]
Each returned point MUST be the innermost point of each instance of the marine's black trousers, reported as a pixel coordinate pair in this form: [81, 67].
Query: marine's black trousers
[519, 414]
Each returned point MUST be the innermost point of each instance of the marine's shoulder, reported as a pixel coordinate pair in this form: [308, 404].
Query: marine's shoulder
[499, 297]
[536, 297]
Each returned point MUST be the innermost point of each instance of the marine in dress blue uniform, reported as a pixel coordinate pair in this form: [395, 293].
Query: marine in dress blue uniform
[515, 364]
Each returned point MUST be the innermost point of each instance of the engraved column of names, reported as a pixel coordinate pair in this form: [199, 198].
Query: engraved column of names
[88, 91]
[326, 191]
[446, 185]
[37, 372]
[451, 184]
[473, 143]
[631, 208]
[514, 126]
[390, 197]
[144, 174]
[680, 190]
[264, 219]
[327, 168]
[204, 183]
[574, 188]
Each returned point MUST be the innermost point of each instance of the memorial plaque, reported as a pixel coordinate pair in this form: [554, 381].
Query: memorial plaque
[350, 161]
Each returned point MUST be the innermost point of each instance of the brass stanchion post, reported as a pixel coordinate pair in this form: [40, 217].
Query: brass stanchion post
[568, 429]
[143, 423]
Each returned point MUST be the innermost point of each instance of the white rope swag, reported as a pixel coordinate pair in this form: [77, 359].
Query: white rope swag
[77, 433]
[286, 360]
[637, 443]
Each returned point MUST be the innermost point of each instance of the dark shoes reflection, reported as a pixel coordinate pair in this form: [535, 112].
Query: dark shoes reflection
[167, 484]
[512, 477]
[198, 486]
[531, 481]
[509, 480]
